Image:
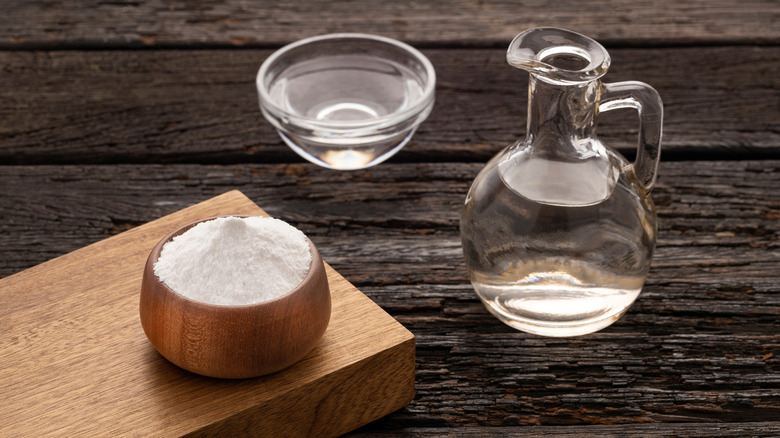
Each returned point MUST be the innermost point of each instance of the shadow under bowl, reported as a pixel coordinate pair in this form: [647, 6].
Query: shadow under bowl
[238, 341]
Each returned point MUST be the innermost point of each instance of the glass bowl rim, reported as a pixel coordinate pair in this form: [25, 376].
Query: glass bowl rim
[387, 120]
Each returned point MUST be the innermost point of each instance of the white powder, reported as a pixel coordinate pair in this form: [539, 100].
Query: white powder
[235, 261]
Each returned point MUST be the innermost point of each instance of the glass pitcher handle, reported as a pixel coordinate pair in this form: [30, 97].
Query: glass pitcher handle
[647, 102]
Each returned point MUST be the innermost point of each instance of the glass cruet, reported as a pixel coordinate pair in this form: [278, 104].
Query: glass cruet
[558, 230]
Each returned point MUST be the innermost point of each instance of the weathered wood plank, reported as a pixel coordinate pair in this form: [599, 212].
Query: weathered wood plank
[657, 364]
[700, 345]
[767, 429]
[397, 224]
[153, 23]
[201, 106]
[50, 210]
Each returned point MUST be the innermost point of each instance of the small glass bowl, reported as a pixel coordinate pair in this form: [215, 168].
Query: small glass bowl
[346, 101]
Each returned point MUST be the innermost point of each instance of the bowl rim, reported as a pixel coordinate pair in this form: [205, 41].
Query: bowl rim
[157, 250]
[387, 120]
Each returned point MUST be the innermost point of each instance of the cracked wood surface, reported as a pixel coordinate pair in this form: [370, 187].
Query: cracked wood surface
[71, 106]
[154, 23]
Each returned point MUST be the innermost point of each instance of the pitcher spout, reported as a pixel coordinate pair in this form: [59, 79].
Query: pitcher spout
[558, 56]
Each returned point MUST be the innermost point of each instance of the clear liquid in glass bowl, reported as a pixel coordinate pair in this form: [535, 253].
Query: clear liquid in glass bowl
[346, 101]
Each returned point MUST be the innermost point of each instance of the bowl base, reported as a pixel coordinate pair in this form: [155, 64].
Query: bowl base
[347, 157]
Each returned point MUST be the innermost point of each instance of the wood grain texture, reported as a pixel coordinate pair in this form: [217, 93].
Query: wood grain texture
[158, 23]
[766, 429]
[701, 344]
[75, 362]
[201, 106]
[51, 210]
[94, 143]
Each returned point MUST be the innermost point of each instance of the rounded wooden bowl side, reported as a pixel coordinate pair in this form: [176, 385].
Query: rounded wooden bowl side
[235, 341]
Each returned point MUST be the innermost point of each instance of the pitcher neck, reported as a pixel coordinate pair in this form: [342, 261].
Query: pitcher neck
[562, 118]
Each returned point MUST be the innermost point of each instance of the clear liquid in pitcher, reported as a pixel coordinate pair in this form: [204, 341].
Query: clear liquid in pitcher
[557, 248]
[558, 230]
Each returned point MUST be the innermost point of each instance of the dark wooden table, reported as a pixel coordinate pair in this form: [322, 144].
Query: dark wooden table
[114, 113]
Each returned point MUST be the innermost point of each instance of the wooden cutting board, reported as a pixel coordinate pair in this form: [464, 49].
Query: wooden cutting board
[74, 360]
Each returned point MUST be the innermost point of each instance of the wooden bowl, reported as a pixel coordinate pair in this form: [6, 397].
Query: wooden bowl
[240, 341]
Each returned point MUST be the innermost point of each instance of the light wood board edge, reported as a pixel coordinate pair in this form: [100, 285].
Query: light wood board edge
[335, 404]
